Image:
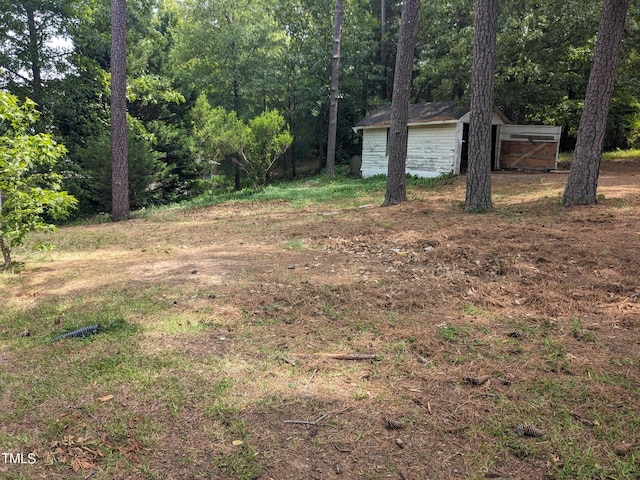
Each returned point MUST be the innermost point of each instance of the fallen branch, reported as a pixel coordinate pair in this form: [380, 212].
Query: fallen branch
[352, 356]
[341, 356]
[287, 360]
[312, 375]
[304, 422]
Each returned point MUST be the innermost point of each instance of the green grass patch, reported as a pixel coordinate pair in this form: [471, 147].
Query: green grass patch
[632, 154]
[581, 424]
[295, 244]
[241, 463]
[309, 191]
[474, 311]
[452, 333]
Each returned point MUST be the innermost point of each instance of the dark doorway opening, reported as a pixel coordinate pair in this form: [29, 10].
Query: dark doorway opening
[464, 151]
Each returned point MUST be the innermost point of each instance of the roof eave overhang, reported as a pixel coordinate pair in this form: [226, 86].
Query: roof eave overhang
[414, 124]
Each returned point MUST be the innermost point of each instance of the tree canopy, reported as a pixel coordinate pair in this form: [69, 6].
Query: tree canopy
[255, 57]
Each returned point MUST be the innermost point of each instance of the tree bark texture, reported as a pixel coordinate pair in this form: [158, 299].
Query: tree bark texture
[398, 131]
[383, 48]
[335, 80]
[6, 253]
[485, 22]
[119, 151]
[34, 53]
[582, 183]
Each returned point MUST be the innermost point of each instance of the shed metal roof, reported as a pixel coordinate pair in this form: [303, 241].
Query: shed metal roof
[419, 114]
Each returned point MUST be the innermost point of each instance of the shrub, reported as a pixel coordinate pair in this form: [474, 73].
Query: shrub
[30, 192]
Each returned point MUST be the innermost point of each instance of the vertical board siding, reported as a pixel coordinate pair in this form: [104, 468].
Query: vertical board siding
[431, 150]
[374, 151]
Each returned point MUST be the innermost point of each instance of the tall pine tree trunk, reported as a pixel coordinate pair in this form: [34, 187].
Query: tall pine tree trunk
[335, 80]
[383, 48]
[398, 131]
[585, 167]
[34, 53]
[119, 152]
[482, 78]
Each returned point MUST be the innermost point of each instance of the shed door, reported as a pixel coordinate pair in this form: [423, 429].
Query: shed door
[529, 147]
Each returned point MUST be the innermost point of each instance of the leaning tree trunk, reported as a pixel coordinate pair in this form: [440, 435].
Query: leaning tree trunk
[478, 197]
[335, 80]
[582, 183]
[398, 132]
[119, 161]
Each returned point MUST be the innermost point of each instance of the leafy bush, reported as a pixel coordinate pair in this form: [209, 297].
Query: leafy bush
[30, 192]
[254, 147]
[268, 138]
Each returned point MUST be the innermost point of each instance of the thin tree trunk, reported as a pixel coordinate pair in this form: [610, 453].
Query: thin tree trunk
[335, 80]
[6, 253]
[293, 125]
[119, 151]
[383, 48]
[237, 186]
[582, 183]
[398, 132]
[478, 198]
[236, 106]
[292, 155]
[6, 250]
[34, 53]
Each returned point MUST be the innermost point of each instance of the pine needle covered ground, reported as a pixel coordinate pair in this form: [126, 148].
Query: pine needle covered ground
[320, 336]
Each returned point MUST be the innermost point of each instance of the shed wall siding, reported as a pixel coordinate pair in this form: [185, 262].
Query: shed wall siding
[374, 152]
[431, 150]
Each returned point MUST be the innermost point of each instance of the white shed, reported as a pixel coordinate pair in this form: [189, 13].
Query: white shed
[438, 141]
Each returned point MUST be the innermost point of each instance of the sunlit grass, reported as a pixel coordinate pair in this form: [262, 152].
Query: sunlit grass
[311, 190]
[564, 158]
[632, 154]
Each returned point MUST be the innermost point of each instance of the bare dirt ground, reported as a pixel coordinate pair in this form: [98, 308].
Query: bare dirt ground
[542, 300]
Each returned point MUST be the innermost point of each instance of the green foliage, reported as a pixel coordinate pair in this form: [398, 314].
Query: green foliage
[27, 30]
[30, 192]
[254, 147]
[444, 50]
[251, 57]
[152, 92]
[174, 143]
[229, 49]
[543, 70]
[91, 181]
[216, 135]
[268, 139]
